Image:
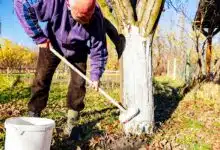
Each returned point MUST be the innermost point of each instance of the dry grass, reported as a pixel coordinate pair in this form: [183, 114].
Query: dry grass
[196, 122]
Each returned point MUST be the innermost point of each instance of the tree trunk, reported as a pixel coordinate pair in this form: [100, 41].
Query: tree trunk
[208, 56]
[217, 71]
[136, 62]
[137, 68]
[187, 67]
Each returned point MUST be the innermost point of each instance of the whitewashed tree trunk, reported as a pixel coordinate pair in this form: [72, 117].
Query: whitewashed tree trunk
[137, 75]
[136, 62]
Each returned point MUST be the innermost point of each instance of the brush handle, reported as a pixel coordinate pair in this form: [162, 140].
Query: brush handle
[86, 78]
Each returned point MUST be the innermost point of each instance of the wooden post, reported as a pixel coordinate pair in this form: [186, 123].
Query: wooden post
[174, 68]
[168, 68]
[8, 71]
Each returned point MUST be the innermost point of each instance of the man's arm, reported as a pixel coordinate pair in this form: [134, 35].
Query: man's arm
[98, 56]
[98, 51]
[29, 17]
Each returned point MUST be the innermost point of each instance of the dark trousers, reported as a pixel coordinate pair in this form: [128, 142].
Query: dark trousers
[46, 66]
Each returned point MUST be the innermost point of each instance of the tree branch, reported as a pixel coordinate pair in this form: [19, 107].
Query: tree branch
[140, 9]
[151, 16]
[119, 15]
[129, 11]
[106, 11]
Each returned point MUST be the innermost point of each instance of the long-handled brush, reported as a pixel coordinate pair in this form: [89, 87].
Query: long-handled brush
[126, 115]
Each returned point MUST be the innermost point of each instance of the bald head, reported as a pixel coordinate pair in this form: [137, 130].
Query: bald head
[82, 10]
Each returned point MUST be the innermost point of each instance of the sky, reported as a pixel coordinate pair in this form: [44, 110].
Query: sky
[11, 29]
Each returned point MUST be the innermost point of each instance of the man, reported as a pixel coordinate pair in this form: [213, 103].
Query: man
[75, 28]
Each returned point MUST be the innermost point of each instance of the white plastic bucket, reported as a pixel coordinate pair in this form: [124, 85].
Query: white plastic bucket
[28, 133]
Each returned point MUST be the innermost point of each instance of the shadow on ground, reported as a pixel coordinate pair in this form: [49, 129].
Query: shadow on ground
[83, 133]
[86, 131]
[166, 100]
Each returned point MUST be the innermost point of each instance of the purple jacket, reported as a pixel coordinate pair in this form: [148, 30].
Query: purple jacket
[66, 35]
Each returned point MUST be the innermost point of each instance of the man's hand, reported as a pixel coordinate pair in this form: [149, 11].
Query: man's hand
[46, 44]
[95, 85]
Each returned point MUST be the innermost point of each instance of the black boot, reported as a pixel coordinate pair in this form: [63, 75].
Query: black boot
[72, 132]
[34, 114]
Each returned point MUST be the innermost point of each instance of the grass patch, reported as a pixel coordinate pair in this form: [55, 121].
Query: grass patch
[194, 124]
[169, 81]
[200, 146]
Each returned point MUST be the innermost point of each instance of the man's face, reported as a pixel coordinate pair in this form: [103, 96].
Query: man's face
[81, 18]
[82, 14]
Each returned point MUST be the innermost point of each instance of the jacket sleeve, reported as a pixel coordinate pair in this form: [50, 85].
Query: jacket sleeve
[29, 12]
[98, 51]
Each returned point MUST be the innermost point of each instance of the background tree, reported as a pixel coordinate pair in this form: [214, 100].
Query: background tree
[14, 56]
[207, 22]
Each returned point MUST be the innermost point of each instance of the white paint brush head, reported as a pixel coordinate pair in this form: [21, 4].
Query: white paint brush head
[128, 115]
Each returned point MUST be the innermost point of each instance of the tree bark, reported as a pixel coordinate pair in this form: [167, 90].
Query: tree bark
[151, 15]
[141, 8]
[129, 11]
